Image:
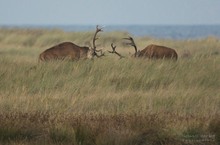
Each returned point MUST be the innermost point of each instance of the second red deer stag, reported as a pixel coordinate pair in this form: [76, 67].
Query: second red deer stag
[69, 50]
[153, 51]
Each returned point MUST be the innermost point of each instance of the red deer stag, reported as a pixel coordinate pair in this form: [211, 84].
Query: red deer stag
[69, 50]
[153, 51]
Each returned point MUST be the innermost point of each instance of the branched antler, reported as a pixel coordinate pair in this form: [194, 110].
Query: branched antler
[132, 43]
[93, 41]
[114, 51]
[95, 38]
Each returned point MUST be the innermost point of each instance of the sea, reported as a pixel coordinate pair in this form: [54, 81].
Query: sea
[155, 31]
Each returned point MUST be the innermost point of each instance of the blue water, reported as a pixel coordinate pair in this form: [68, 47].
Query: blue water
[156, 31]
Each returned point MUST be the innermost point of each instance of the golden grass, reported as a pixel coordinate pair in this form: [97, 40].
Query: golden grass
[107, 100]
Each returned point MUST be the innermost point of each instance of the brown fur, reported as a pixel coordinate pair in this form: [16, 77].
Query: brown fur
[64, 50]
[153, 51]
[158, 52]
[69, 50]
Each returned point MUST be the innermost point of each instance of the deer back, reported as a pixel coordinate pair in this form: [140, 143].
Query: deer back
[158, 52]
[61, 51]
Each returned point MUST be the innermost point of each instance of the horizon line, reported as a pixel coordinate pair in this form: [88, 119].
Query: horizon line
[109, 24]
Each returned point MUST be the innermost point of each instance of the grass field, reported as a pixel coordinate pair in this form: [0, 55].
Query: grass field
[108, 101]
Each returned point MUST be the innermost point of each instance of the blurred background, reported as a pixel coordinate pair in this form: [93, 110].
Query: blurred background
[182, 19]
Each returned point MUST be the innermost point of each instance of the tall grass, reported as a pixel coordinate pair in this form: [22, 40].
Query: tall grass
[107, 100]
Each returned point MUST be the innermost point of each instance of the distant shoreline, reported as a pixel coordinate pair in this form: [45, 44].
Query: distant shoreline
[156, 31]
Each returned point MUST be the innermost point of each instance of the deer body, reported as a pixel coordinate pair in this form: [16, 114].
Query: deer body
[69, 50]
[154, 51]
[158, 52]
[65, 50]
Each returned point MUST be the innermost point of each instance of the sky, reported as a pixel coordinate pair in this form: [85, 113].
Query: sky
[109, 12]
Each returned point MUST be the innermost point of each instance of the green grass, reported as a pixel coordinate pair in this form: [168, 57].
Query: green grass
[107, 100]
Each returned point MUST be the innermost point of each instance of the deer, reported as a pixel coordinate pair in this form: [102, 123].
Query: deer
[153, 51]
[69, 50]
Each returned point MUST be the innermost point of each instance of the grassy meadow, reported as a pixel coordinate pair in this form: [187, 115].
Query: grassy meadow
[108, 101]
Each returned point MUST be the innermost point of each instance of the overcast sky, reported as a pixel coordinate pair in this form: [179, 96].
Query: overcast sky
[107, 12]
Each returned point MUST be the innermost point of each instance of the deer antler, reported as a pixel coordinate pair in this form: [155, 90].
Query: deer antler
[95, 38]
[114, 51]
[132, 43]
[93, 41]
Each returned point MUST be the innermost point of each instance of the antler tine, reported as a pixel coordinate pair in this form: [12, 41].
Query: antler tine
[102, 54]
[132, 43]
[95, 38]
[113, 51]
[113, 47]
[99, 29]
[129, 38]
